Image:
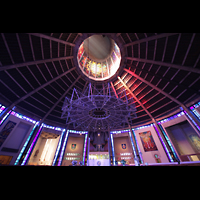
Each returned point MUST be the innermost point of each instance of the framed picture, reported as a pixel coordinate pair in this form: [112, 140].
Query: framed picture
[148, 141]
[6, 131]
[5, 160]
[73, 146]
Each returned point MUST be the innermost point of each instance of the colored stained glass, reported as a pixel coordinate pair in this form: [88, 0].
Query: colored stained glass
[99, 70]
[116, 49]
[82, 60]
[114, 58]
[87, 64]
[93, 69]
[105, 71]
[80, 52]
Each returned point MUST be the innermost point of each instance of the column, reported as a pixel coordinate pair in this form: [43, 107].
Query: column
[5, 114]
[88, 150]
[194, 110]
[136, 159]
[113, 149]
[137, 145]
[84, 148]
[109, 150]
[58, 147]
[192, 120]
[159, 133]
[169, 142]
[63, 148]
[27, 156]
[18, 160]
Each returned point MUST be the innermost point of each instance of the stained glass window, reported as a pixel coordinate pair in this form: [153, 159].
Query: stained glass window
[99, 70]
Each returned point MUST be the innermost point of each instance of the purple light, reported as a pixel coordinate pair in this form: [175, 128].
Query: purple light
[1, 122]
[63, 148]
[30, 148]
[192, 120]
[166, 150]
[85, 144]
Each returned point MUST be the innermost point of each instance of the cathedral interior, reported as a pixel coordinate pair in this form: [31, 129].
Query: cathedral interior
[99, 99]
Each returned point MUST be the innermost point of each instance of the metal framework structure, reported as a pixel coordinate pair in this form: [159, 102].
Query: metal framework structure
[98, 108]
[37, 72]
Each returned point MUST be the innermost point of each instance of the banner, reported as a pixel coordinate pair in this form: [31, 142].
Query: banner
[148, 141]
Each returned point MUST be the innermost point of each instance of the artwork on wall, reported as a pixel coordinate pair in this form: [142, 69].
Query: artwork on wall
[148, 141]
[123, 146]
[73, 146]
[5, 160]
[195, 141]
[6, 131]
[157, 158]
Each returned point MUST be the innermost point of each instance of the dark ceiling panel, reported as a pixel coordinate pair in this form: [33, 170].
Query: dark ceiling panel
[4, 55]
[11, 40]
[16, 83]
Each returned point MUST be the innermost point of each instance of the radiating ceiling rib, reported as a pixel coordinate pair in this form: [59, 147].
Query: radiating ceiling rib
[164, 93]
[20, 47]
[33, 54]
[41, 46]
[24, 78]
[58, 49]
[15, 81]
[136, 98]
[149, 38]
[7, 47]
[41, 72]
[168, 80]
[61, 65]
[57, 102]
[49, 70]
[163, 56]
[33, 75]
[154, 53]
[50, 46]
[136, 36]
[188, 49]
[114, 89]
[6, 67]
[190, 69]
[2, 83]
[50, 93]
[37, 89]
[39, 101]
[45, 97]
[52, 38]
[176, 47]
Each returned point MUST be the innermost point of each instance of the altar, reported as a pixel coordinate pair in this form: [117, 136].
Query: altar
[99, 159]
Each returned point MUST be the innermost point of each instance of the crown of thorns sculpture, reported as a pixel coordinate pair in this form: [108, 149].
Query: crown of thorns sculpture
[98, 108]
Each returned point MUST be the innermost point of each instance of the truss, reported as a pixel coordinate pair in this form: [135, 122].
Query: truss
[98, 108]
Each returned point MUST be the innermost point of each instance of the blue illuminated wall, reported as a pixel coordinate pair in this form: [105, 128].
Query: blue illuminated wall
[22, 138]
[17, 118]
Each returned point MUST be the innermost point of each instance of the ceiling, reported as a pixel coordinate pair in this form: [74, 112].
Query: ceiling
[37, 71]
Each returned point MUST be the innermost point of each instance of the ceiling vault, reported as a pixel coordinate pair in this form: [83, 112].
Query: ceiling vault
[159, 72]
[34, 91]
[6, 67]
[52, 38]
[190, 69]
[150, 38]
[164, 93]
[57, 102]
